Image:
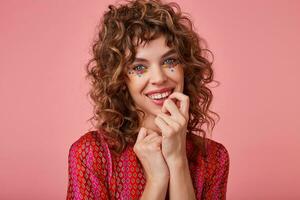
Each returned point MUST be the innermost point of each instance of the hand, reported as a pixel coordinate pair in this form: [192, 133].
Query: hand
[173, 127]
[148, 151]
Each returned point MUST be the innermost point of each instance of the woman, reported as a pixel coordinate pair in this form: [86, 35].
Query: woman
[149, 78]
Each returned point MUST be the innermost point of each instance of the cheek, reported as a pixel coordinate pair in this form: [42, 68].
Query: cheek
[136, 85]
[176, 75]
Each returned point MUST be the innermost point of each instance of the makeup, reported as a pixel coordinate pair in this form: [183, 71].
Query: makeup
[171, 64]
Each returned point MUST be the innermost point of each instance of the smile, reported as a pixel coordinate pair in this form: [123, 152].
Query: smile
[157, 96]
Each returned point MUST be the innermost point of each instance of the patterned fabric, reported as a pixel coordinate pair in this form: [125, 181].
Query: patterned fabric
[95, 173]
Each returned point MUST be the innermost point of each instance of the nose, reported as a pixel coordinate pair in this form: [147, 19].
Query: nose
[158, 75]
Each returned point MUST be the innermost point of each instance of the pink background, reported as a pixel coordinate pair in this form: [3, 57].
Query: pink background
[44, 108]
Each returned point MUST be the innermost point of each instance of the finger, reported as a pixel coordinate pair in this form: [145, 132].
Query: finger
[171, 107]
[156, 139]
[171, 122]
[157, 142]
[166, 130]
[164, 110]
[151, 134]
[184, 102]
[142, 134]
[149, 137]
[150, 131]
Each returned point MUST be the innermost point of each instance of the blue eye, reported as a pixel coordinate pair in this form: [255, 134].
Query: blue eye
[139, 69]
[170, 61]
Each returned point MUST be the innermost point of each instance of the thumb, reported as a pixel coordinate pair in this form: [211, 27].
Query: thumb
[142, 134]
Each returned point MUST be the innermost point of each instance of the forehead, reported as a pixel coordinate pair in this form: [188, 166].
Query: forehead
[153, 48]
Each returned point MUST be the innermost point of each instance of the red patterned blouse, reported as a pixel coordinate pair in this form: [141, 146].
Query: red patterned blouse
[94, 173]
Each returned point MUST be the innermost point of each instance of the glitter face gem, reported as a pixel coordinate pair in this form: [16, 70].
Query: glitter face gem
[139, 70]
[170, 64]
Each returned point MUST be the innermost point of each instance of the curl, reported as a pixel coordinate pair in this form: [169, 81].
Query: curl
[121, 30]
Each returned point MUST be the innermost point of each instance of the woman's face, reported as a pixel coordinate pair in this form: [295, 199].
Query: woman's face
[153, 76]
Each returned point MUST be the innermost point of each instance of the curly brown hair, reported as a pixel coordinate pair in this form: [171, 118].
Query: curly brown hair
[114, 110]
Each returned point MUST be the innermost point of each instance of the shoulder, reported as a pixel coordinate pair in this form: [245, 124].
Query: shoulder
[210, 150]
[217, 156]
[85, 141]
[88, 167]
[216, 149]
[87, 146]
[216, 152]
[215, 170]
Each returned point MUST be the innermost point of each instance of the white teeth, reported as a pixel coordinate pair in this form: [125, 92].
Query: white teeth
[160, 95]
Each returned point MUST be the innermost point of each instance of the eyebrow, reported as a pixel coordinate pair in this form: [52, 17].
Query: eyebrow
[170, 52]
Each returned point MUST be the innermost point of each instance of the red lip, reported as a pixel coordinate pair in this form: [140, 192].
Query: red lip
[159, 91]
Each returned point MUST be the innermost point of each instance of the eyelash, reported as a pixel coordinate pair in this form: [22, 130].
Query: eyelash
[135, 68]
